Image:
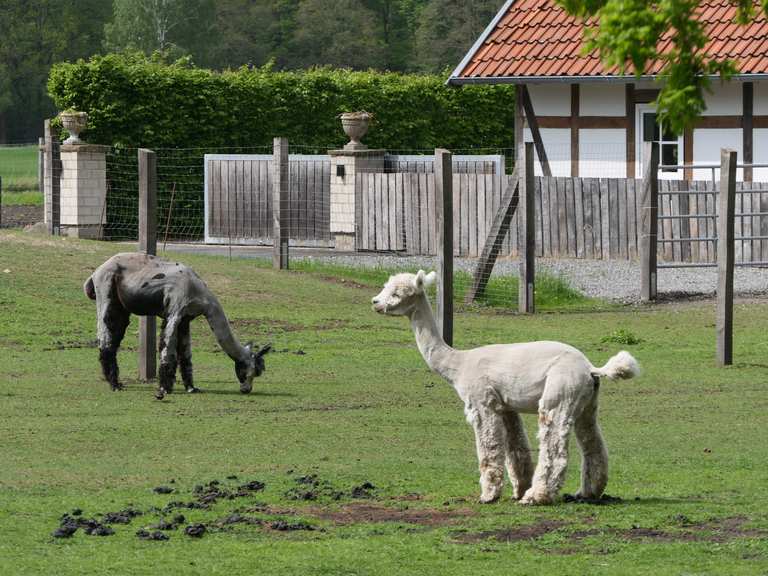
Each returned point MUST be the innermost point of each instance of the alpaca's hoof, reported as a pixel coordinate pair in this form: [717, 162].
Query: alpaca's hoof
[117, 387]
[160, 394]
[533, 499]
[193, 390]
[489, 499]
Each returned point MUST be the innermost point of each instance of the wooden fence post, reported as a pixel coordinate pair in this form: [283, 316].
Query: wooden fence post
[53, 172]
[148, 245]
[725, 257]
[443, 169]
[280, 203]
[526, 233]
[649, 222]
[41, 166]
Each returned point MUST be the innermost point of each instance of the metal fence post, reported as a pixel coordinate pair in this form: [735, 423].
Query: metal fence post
[280, 204]
[649, 222]
[526, 233]
[443, 170]
[148, 245]
[725, 257]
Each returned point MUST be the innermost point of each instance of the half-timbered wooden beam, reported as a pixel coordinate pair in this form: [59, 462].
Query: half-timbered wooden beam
[533, 126]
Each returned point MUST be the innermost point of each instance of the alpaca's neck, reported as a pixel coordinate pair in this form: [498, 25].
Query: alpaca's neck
[440, 357]
[219, 324]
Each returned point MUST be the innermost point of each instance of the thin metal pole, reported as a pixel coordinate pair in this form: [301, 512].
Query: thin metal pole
[526, 230]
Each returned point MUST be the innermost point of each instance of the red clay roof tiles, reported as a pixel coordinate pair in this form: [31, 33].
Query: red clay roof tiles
[538, 38]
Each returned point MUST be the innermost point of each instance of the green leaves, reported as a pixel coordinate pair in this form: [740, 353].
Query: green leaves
[134, 100]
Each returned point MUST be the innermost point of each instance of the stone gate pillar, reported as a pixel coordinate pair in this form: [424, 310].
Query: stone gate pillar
[83, 189]
[345, 166]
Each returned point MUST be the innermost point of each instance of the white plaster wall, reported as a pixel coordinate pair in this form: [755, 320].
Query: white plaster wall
[707, 143]
[550, 99]
[602, 100]
[603, 153]
[760, 106]
[725, 100]
[760, 152]
[557, 145]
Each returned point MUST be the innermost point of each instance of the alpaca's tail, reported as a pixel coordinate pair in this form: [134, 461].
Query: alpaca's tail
[622, 366]
[88, 289]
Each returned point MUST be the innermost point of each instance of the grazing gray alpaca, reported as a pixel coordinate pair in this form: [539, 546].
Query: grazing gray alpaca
[136, 283]
[499, 382]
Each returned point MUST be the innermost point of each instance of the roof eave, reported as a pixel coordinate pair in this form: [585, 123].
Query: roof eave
[480, 41]
[460, 81]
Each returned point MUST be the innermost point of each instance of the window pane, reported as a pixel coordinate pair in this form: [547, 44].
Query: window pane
[650, 129]
[669, 156]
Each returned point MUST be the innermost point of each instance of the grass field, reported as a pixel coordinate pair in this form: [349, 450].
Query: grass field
[348, 399]
[18, 170]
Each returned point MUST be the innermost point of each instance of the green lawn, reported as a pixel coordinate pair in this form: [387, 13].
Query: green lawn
[347, 398]
[18, 170]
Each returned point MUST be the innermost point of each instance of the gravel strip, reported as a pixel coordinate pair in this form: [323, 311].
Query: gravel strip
[617, 280]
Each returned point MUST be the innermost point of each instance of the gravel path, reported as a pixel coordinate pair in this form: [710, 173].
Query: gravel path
[617, 280]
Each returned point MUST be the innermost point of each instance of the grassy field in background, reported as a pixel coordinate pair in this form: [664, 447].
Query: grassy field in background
[18, 170]
[348, 413]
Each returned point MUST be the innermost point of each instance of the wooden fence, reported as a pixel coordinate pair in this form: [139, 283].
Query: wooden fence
[238, 199]
[596, 218]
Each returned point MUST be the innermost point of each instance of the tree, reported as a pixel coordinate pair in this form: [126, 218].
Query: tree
[341, 33]
[173, 27]
[448, 28]
[35, 34]
[628, 35]
[245, 31]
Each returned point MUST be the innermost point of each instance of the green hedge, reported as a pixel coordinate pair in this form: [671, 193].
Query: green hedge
[133, 101]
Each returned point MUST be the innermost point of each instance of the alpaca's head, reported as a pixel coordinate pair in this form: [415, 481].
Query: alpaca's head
[250, 368]
[401, 292]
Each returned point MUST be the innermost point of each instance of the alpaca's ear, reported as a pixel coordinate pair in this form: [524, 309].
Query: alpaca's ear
[430, 279]
[263, 350]
[418, 282]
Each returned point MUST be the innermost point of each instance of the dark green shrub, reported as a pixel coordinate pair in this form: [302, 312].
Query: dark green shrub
[134, 101]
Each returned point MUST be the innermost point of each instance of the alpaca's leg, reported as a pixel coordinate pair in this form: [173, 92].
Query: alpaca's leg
[594, 463]
[113, 320]
[185, 355]
[490, 439]
[556, 417]
[168, 354]
[518, 454]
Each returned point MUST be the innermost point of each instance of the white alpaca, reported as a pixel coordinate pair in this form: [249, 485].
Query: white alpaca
[135, 283]
[499, 382]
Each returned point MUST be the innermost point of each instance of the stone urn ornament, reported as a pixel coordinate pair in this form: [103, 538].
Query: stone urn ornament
[74, 122]
[355, 126]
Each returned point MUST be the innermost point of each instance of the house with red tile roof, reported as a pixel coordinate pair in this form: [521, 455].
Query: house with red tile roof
[592, 120]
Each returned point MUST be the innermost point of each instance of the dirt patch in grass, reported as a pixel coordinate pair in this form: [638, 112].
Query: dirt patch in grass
[346, 282]
[372, 513]
[716, 530]
[20, 216]
[266, 326]
[270, 326]
[514, 534]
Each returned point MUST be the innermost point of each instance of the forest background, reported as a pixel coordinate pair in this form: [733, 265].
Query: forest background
[412, 36]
